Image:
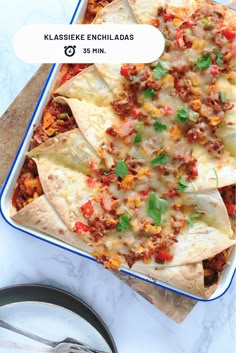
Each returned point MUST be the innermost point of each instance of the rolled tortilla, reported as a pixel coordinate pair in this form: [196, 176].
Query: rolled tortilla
[87, 85]
[117, 12]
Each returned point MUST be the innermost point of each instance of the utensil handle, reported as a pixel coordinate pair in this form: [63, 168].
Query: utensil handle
[13, 328]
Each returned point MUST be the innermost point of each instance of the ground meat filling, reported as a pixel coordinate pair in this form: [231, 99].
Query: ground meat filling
[93, 7]
[57, 119]
[28, 185]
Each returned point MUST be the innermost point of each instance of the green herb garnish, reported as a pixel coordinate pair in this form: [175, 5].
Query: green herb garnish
[204, 62]
[182, 115]
[123, 224]
[121, 169]
[161, 204]
[191, 218]
[158, 72]
[159, 127]
[152, 211]
[161, 159]
[182, 184]
[138, 138]
[206, 23]
[106, 173]
[219, 57]
[222, 97]
[149, 93]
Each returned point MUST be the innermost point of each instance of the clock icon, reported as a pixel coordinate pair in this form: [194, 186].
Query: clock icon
[69, 50]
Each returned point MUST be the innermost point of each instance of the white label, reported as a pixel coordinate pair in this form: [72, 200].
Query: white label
[136, 43]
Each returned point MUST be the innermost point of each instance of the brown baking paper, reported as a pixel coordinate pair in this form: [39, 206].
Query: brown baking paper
[13, 125]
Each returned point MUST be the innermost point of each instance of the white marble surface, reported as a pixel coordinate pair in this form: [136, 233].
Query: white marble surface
[136, 325]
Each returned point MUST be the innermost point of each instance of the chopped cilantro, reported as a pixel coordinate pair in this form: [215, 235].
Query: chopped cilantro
[218, 53]
[204, 62]
[161, 204]
[182, 115]
[182, 184]
[156, 215]
[159, 126]
[162, 158]
[121, 169]
[138, 138]
[219, 57]
[152, 211]
[222, 97]
[158, 72]
[123, 224]
[191, 218]
[149, 93]
[219, 62]
[106, 173]
[206, 23]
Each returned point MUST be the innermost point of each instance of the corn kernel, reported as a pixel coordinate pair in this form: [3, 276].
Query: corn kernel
[215, 120]
[50, 131]
[139, 67]
[198, 44]
[144, 171]
[204, 111]
[48, 120]
[166, 57]
[168, 81]
[231, 77]
[175, 132]
[149, 228]
[195, 79]
[60, 122]
[176, 22]
[196, 104]
[127, 182]
[196, 91]
[153, 111]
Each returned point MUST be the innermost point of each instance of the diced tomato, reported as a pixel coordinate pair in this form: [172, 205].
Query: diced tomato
[172, 192]
[65, 78]
[126, 128]
[144, 193]
[106, 180]
[91, 181]
[228, 33]
[231, 209]
[125, 70]
[214, 70]
[168, 110]
[180, 38]
[134, 112]
[106, 202]
[168, 16]
[188, 24]
[163, 255]
[80, 228]
[87, 209]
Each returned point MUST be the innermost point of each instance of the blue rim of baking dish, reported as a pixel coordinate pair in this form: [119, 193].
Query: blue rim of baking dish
[78, 252]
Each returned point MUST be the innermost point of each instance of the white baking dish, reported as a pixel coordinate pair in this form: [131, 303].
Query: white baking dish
[7, 191]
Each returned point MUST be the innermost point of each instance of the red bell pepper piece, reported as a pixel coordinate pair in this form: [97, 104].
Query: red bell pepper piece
[87, 209]
[228, 33]
[80, 228]
[163, 255]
